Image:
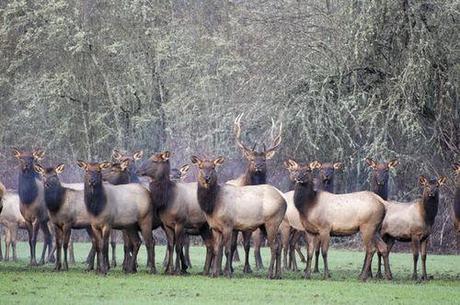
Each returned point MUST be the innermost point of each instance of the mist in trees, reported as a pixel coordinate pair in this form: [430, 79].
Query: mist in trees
[348, 80]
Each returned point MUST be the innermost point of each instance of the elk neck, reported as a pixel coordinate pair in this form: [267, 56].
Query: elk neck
[54, 195]
[328, 185]
[380, 189]
[430, 206]
[207, 196]
[252, 177]
[304, 195]
[161, 189]
[457, 197]
[27, 186]
[95, 198]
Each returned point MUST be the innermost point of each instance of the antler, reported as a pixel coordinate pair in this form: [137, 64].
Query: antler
[276, 140]
[237, 128]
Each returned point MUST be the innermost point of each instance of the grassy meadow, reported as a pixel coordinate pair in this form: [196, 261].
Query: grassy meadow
[20, 284]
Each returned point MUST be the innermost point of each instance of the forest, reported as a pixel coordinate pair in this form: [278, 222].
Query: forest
[348, 80]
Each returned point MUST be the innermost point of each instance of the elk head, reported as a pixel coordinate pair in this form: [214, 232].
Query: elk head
[130, 159]
[27, 159]
[93, 171]
[50, 174]
[207, 175]
[117, 173]
[301, 173]
[326, 172]
[179, 174]
[381, 170]
[431, 187]
[156, 167]
[257, 159]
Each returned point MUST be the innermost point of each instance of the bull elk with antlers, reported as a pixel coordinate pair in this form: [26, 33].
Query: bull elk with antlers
[255, 174]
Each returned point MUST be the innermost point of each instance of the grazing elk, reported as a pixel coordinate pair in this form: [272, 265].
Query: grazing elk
[379, 185]
[325, 214]
[456, 167]
[256, 173]
[123, 207]
[177, 205]
[12, 220]
[66, 209]
[230, 208]
[412, 222]
[32, 203]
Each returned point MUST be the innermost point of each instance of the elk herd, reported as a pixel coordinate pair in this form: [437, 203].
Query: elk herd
[113, 197]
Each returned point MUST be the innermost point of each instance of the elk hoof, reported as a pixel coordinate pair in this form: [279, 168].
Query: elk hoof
[113, 264]
[316, 270]
[41, 262]
[51, 259]
[153, 270]
[414, 277]
[307, 275]
[424, 278]
[326, 276]
[378, 276]
[33, 263]
[389, 277]
[247, 269]
[57, 267]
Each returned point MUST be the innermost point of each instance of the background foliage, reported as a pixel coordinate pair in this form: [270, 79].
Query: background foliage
[348, 79]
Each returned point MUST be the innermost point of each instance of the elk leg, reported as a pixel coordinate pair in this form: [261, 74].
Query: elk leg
[206, 234]
[71, 251]
[285, 232]
[105, 249]
[233, 241]
[92, 252]
[415, 252]
[170, 237]
[316, 269]
[236, 255]
[8, 236]
[324, 243]
[59, 237]
[48, 239]
[386, 258]
[113, 245]
[186, 250]
[227, 238]
[368, 236]
[149, 241]
[66, 234]
[217, 263]
[423, 248]
[181, 265]
[272, 231]
[134, 246]
[299, 251]
[14, 240]
[312, 242]
[247, 246]
[293, 261]
[258, 239]
[30, 232]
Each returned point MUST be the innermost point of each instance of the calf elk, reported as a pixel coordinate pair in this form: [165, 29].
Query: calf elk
[324, 214]
[230, 208]
[412, 222]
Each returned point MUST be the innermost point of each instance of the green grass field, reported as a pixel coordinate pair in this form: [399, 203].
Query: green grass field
[20, 284]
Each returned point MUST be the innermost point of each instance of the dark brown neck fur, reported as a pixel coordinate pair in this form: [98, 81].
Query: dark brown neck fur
[251, 177]
[430, 205]
[304, 196]
[207, 196]
[457, 197]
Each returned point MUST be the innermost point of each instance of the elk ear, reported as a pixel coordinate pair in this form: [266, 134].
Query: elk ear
[38, 154]
[442, 180]
[60, 168]
[124, 165]
[116, 155]
[423, 181]
[269, 154]
[16, 152]
[393, 163]
[195, 160]
[165, 155]
[315, 165]
[456, 167]
[82, 164]
[219, 161]
[371, 163]
[39, 169]
[184, 170]
[338, 165]
[138, 155]
[291, 164]
[105, 165]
